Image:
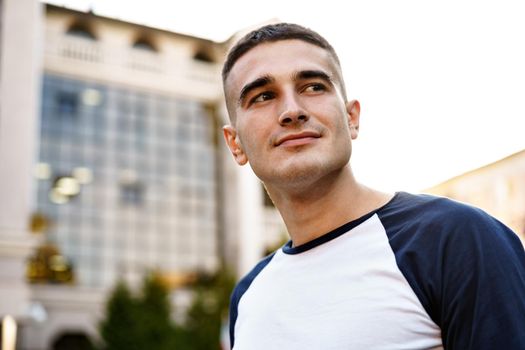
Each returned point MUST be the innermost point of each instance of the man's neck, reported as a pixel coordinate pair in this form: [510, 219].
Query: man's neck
[325, 205]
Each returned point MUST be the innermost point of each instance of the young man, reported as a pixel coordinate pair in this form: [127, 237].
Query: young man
[364, 269]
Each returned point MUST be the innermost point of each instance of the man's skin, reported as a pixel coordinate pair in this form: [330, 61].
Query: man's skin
[291, 122]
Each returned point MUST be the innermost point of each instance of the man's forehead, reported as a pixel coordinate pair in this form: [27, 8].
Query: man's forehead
[277, 58]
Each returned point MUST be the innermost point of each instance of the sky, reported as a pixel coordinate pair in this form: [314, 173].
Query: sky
[441, 83]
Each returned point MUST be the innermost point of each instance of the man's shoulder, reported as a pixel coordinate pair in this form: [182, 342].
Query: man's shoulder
[429, 213]
[437, 226]
[431, 206]
[450, 251]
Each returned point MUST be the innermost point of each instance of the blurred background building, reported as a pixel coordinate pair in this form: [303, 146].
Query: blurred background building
[498, 188]
[113, 165]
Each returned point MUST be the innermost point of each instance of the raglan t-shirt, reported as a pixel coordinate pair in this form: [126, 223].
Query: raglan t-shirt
[421, 272]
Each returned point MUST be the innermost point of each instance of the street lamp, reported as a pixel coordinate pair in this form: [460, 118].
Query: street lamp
[8, 333]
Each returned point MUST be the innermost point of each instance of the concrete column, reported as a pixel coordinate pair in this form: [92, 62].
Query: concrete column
[20, 62]
[250, 219]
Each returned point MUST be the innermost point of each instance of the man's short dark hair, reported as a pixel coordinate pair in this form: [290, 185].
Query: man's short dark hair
[272, 33]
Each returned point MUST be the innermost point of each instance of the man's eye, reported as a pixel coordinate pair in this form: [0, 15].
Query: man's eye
[315, 88]
[265, 96]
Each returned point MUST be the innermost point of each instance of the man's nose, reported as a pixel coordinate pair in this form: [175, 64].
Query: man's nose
[292, 111]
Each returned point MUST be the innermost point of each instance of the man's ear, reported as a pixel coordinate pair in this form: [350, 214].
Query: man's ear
[353, 109]
[234, 144]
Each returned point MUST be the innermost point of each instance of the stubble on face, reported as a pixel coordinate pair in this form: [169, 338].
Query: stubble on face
[297, 170]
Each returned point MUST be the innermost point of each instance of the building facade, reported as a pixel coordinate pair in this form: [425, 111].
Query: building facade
[129, 173]
[498, 188]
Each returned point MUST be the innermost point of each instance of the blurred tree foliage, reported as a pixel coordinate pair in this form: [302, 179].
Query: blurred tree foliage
[208, 311]
[143, 322]
[138, 323]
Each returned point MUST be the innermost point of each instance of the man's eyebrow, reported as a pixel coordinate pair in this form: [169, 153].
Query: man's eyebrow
[257, 83]
[310, 74]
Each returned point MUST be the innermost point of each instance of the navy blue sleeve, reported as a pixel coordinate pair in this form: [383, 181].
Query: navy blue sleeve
[239, 291]
[467, 269]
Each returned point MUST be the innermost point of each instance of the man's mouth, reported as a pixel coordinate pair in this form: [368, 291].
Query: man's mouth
[297, 139]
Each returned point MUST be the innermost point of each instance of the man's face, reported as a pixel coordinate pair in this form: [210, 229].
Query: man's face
[290, 121]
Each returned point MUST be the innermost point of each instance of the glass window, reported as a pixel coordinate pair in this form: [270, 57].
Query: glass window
[164, 143]
[66, 103]
[203, 56]
[145, 44]
[81, 30]
[132, 193]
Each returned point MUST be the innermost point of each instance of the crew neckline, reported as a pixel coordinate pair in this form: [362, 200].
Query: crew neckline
[290, 250]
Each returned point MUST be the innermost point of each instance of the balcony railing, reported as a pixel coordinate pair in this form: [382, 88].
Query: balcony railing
[75, 49]
[80, 50]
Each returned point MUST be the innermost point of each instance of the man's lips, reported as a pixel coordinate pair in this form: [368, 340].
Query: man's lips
[299, 138]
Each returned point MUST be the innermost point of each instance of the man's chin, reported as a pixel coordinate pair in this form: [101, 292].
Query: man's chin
[301, 171]
[295, 174]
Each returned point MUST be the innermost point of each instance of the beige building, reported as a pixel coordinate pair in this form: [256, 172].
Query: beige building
[498, 188]
[112, 165]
